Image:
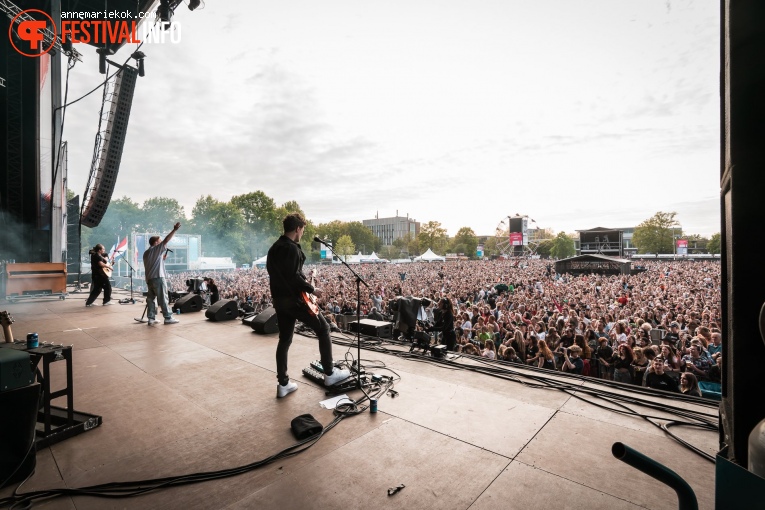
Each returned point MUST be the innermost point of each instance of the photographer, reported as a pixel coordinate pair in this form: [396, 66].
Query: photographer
[573, 362]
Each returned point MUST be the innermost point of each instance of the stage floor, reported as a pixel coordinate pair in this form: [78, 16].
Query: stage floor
[200, 396]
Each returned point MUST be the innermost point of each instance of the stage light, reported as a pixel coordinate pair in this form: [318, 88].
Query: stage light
[101, 60]
[139, 56]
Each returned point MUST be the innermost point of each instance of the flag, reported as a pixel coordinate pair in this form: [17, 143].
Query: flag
[110, 256]
[121, 248]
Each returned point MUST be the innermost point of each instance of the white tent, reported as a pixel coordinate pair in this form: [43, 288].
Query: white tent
[429, 256]
[261, 262]
[374, 259]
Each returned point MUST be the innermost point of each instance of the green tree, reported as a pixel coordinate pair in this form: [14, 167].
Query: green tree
[655, 235]
[158, 215]
[713, 246]
[361, 236]
[432, 236]
[221, 226]
[467, 241]
[262, 221]
[562, 246]
[544, 249]
[120, 220]
[490, 247]
[344, 246]
[332, 231]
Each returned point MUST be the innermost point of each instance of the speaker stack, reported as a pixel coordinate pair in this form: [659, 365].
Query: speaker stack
[188, 303]
[223, 310]
[265, 322]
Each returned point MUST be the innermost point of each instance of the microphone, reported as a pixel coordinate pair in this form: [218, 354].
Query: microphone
[168, 249]
[319, 240]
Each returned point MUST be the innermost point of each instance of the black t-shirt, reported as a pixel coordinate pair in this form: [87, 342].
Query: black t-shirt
[578, 365]
[604, 351]
[661, 382]
[96, 268]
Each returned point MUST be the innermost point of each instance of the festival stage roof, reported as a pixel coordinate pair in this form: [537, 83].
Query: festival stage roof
[200, 396]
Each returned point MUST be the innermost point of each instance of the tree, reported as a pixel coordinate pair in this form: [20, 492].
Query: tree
[158, 214]
[120, 220]
[433, 236]
[344, 246]
[361, 235]
[562, 246]
[467, 241]
[714, 243]
[544, 248]
[655, 235]
[221, 226]
[262, 221]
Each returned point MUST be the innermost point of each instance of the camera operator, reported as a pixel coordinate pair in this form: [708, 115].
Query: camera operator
[213, 290]
[445, 323]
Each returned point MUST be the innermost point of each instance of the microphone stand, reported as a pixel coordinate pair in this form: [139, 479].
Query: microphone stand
[130, 301]
[359, 281]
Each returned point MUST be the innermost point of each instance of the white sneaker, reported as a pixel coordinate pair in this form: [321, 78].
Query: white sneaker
[283, 391]
[172, 320]
[336, 377]
[152, 321]
[108, 303]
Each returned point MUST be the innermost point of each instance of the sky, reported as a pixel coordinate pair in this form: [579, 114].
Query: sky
[577, 113]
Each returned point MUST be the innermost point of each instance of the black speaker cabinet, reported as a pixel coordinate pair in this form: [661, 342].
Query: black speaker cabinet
[223, 310]
[265, 322]
[188, 303]
[17, 430]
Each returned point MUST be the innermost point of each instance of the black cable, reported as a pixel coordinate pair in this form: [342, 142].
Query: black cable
[137, 487]
[505, 371]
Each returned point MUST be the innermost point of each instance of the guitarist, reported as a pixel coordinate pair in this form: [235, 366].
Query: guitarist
[101, 271]
[288, 285]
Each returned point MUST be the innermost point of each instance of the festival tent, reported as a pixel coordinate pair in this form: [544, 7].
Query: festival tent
[261, 262]
[373, 258]
[429, 256]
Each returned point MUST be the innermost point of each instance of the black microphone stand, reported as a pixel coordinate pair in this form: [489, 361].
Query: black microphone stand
[359, 281]
[130, 301]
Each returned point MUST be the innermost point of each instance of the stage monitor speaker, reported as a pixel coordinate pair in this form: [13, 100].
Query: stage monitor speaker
[109, 148]
[17, 428]
[265, 322]
[223, 310]
[380, 329]
[188, 303]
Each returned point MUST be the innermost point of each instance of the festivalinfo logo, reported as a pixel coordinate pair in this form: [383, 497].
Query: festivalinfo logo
[33, 32]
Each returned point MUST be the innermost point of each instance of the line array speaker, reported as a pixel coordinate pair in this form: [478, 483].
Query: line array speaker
[110, 147]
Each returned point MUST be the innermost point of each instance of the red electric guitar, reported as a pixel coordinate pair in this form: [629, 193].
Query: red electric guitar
[6, 320]
[310, 299]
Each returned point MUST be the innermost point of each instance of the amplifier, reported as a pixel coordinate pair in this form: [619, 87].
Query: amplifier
[15, 369]
[369, 327]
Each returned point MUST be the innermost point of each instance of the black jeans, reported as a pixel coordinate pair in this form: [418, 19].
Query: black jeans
[286, 318]
[99, 283]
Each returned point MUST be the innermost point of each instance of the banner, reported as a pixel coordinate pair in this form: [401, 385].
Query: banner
[516, 239]
[682, 247]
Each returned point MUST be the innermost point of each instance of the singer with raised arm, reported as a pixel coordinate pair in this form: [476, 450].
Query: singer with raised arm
[101, 270]
[289, 288]
[154, 268]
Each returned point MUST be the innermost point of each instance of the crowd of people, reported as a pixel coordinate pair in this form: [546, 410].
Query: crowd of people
[659, 328]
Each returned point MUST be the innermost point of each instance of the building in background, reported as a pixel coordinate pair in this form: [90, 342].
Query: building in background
[390, 229]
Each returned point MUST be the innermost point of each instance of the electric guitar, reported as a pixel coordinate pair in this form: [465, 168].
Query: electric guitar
[6, 320]
[310, 299]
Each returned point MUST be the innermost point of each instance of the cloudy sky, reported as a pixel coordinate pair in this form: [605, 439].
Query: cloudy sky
[577, 113]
